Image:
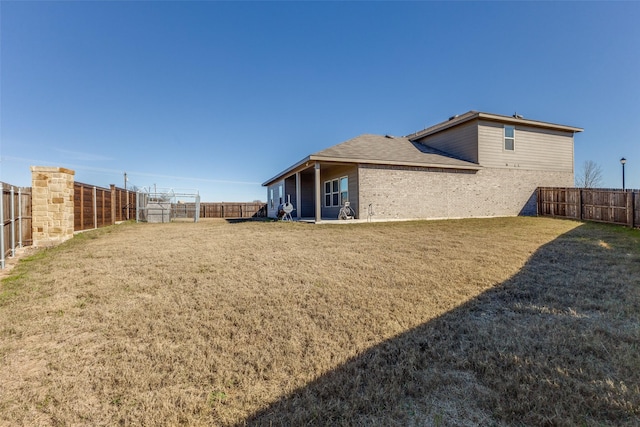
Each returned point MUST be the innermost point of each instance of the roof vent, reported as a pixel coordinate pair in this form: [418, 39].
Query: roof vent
[389, 136]
[454, 117]
[518, 116]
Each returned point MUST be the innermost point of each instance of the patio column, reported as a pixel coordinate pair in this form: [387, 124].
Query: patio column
[318, 198]
[298, 198]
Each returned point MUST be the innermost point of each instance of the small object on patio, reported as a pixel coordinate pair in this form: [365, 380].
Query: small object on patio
[287, 209]
[284, 212]
[346, 212]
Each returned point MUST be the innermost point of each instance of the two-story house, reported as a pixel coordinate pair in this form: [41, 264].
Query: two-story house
[472, 165]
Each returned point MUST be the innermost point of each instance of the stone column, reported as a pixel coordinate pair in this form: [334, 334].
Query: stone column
[51, 205]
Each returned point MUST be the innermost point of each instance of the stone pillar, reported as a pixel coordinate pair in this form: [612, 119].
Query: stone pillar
[51, 205]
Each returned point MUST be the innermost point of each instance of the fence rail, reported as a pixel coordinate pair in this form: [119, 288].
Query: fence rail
[591, 204]
[15, 223]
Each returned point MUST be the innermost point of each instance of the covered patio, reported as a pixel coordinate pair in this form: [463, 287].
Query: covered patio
[314, 189]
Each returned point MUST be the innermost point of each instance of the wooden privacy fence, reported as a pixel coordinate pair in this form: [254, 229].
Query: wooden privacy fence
[220, 210]
[15, 226]
[591, 204]
[95, 207]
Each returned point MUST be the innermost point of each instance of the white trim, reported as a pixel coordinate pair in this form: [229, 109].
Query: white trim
[337, 193]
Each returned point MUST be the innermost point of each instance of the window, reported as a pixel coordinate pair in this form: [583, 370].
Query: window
[280, 194]
[336, 192]
[509, 138]
[344, 190]
[271, 198]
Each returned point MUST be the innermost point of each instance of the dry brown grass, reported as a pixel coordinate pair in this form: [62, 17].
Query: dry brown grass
[499, 321]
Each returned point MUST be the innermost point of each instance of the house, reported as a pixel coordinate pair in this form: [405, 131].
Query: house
[472, 165]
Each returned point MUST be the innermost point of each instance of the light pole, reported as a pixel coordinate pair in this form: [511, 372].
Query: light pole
[622, 162]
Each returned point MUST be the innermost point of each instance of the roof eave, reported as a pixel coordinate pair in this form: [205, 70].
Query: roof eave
[313, 158]
[470, 166]
[286, 172]
[473, 115]
[535, 123]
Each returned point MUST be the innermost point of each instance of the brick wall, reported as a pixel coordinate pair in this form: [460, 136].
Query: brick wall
[52, 205]
[407, 193]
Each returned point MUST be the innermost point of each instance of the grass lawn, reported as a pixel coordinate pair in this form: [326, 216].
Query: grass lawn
[505, 321]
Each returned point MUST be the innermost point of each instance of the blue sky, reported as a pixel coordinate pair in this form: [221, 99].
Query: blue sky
[221, 96]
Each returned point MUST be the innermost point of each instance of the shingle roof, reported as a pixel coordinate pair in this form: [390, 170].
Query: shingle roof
[381, 150]
[403, 151]
[390, 150]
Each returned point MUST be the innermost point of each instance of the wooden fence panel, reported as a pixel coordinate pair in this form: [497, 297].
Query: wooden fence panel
[591, 204]
[565, 203]
[124, 202]
[6, 222]
[16, 218]
[636, 209]
[232, 210]
[95, 207]
[25, 214]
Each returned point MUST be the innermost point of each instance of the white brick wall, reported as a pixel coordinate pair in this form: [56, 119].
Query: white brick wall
[406, 193]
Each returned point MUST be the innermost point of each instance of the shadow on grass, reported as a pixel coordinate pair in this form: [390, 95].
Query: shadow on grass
[556, 344]
[252, 219]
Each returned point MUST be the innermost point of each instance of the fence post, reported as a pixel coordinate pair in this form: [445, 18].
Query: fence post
[13, 222]
[629, 207]
[2, 225]
[633, 208]
[538, 200]
[197, 209]
[102, 209]
[20, 217]
[113, 204]
[95, 207]
[81, 206]
[580, 204]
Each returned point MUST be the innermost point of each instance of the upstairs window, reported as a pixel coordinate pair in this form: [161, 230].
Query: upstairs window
[509, 138]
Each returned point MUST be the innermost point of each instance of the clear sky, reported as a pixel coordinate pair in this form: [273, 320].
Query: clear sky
[221, 96]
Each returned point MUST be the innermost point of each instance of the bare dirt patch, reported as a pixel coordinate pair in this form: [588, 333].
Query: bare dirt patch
[501, 321]
[12, 261]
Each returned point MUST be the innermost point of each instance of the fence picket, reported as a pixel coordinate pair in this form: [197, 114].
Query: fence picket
[591, 204]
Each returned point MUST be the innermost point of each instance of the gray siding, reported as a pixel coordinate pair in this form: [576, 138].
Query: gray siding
[535, 148]
[272, 208]
[460, 141]
[290, 190]
[420, 193]
[307, 195]
[329, 172]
